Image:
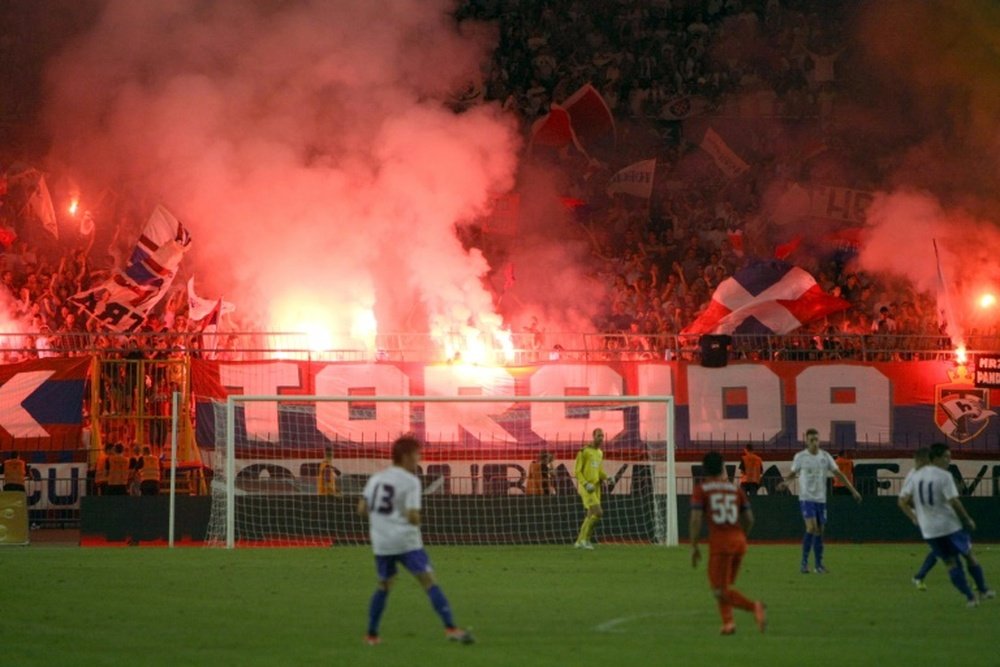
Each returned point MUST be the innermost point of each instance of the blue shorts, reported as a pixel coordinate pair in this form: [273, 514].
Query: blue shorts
[813, 510]
[957, 544]
[416, 562]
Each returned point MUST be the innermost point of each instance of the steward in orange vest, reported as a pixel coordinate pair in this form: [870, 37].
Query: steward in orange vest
[752, 470]
[149, 473]
[118, 467]
[539, 482]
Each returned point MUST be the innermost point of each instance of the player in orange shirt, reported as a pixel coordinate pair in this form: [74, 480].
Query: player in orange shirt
[727, 509]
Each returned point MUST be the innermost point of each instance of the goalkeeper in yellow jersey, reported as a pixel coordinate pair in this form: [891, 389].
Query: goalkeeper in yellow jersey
[589, 472]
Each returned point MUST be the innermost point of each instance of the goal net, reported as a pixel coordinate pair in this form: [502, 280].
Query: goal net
[482, 468]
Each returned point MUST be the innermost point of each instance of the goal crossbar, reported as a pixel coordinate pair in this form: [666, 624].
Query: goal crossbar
[671, 536]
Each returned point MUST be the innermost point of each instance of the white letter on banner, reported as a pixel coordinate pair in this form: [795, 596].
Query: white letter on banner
[654, 380]
[260, 380]
[706, 410]
[333, 418]
[564, 420]
[869, 411]
[442, 420]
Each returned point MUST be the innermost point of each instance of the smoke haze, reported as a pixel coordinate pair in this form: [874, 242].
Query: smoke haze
[306, 146]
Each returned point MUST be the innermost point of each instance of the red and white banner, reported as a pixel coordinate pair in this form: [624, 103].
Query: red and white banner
[635, 179]
[725, 158]
[892, 406]
[41, 404]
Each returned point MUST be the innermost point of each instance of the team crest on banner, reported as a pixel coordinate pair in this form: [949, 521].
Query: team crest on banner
[961, 410]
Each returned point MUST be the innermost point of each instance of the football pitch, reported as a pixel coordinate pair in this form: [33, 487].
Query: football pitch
[538, 605]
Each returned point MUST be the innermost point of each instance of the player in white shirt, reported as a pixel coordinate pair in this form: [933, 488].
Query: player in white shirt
[930, 499]
[391, 501]
[921, 457]
[811, 467]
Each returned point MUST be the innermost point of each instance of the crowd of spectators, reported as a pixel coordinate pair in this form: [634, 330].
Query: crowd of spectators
[766, 68]
[37, 281]
[658, 260]
[776, 56]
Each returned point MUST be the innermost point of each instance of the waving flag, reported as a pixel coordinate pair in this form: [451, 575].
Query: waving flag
[591, 117]
[199, 307]
[766, 297]
[41, 205]
[554, 129]
[159, 250]
[635, 179]
[783, 250]
[122, 302]
[725, 158]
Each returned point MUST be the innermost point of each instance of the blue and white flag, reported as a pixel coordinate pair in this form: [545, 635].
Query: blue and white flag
[123, 301]
[766, 297]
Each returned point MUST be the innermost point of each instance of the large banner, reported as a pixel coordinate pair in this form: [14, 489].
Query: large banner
[890, 406]
[840, 204]
[41, 404]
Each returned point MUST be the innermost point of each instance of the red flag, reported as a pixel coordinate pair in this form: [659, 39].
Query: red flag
[591, 117]
[786, 249]
[554, 129]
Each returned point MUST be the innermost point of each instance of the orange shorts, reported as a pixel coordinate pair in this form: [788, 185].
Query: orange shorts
[723, 568]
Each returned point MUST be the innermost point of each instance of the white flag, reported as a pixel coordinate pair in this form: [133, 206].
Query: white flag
[635, 179]
[729, 162]
[41, 206]
[199, 307]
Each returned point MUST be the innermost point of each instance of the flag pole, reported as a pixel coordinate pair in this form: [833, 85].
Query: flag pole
[944, 299]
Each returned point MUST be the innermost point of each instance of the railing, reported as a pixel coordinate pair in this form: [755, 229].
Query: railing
[525, 348]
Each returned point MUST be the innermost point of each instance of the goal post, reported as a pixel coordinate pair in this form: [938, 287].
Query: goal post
[267, 488]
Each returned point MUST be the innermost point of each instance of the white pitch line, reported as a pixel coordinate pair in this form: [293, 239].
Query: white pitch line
[614, 625]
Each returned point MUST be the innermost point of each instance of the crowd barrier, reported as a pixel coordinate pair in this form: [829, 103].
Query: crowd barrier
[524, 347]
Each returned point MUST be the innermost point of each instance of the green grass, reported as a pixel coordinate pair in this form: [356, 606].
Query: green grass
[527, 606]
